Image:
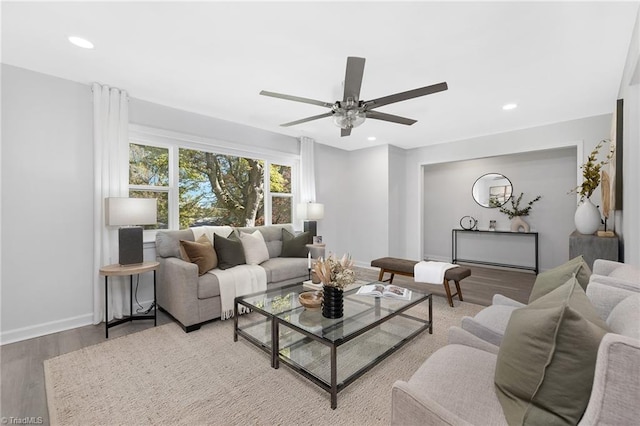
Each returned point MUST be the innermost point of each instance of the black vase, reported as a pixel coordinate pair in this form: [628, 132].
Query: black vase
[332, 302]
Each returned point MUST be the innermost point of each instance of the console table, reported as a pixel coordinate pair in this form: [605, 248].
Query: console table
[454, 248]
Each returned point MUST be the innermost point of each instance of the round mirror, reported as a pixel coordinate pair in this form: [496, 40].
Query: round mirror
[492, 190]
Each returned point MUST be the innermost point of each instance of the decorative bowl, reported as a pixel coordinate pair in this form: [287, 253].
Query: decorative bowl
[311, 299]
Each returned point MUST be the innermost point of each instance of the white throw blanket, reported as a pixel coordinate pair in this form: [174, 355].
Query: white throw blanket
[431, 272]
[238, 281]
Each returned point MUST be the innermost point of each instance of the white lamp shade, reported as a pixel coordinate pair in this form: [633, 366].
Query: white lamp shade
[131, 211]
[310, 211]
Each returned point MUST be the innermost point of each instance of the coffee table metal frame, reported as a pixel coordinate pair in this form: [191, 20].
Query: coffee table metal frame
[333, 387]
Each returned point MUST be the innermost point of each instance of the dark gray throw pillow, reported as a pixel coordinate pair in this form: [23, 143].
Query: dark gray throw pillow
[295, 245]
[229, 250]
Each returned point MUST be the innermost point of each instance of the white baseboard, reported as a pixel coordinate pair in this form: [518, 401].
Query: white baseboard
[51, 327]
[38, 330]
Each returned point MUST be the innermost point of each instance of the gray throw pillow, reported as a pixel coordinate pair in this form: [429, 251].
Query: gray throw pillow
[229, 250]
[295, 245]
[547, 358]
[553, 278]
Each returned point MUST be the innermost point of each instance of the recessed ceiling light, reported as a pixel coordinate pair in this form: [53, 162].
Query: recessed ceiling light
[507, 107]
[371, 138]
[81, 42]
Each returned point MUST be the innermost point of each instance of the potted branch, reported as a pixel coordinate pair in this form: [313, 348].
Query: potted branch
[515, 213]
[587, 217]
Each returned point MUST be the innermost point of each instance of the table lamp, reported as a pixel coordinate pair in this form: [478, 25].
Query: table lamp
[310, 212]
[126, 212]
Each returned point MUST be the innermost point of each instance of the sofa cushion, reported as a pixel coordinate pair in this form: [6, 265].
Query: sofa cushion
[625, 317]
[546, 362]
[201, 253]
[626, 273]
[229, 250]
[554, 278]
[295, 245]
[208, 286]
[255, 249]
[272, 236]
[490, 323]
[168, 242]
[285, 268]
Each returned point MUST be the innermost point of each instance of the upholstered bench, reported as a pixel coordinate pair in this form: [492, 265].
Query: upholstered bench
[394, 266]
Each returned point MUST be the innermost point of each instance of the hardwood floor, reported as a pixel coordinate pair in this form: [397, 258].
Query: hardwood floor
[21, 364]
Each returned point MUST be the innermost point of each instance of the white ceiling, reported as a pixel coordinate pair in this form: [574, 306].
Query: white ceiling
[557, 60]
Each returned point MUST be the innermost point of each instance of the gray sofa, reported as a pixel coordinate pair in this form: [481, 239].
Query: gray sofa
[193, 300]
[456, 385]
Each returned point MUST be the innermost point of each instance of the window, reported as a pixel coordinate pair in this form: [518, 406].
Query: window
[281, 196]
[149, 178]
[197, 187]
[218, 189]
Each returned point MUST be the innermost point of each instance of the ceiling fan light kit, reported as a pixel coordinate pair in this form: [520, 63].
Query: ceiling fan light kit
[351, 111]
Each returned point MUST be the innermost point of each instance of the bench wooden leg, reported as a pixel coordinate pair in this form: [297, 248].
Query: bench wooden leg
[458, 289]
[381, 276]
[448, 290]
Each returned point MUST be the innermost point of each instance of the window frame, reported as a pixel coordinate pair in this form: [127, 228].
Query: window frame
[173, 141]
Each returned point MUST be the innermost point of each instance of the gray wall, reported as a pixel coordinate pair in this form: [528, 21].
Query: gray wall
[354, 186]
[167, 118]
[47, 196]
[47, 204]
[630, 92]
[583, 133]
[447, 197]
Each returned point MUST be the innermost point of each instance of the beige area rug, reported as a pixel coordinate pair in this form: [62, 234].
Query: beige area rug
[165, 376]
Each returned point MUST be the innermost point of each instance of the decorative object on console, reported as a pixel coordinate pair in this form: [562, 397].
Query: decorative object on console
[335, 275]
[587, 217]
[515, 213]
[125, 212]
[492, 225]
[468, 223]
[310, 213]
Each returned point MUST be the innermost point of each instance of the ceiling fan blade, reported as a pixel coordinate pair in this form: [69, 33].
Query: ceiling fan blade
[353, 78]
[304, 120]
[376, 115]
[296, 99]
[345, 132]
[410, 94]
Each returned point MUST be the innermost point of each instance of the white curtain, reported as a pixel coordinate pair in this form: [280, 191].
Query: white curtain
[307, 170]
[111, 179]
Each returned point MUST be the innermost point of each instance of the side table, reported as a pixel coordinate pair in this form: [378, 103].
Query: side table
[593, 247]
[130, 270]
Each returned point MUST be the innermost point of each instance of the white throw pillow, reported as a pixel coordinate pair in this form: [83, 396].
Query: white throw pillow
[255, 248]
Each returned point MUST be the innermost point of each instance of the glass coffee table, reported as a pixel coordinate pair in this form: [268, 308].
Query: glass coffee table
[332, 353]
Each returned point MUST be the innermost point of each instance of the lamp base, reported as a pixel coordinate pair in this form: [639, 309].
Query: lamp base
[311, 226]
[130, 245]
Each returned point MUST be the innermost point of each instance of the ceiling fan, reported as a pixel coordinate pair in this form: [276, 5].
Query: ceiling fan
[351, 112]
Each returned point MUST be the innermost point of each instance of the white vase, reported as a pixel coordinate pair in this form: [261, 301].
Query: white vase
[587, 217]
[519, 225]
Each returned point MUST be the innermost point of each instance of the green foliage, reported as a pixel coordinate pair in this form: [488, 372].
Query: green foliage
[515, 209]
[591, 171]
